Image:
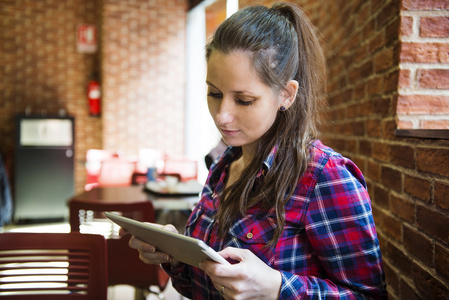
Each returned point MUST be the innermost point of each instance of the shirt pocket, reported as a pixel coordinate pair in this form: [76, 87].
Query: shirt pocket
[254, 233]
[199, 225]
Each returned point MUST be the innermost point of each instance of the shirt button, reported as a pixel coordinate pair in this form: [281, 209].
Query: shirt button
[249, 235]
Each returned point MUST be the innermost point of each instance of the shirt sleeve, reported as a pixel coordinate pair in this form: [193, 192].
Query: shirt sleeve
[340, 227]
[180, 279]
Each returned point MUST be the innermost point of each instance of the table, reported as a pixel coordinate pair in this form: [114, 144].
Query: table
[134, 193]
[169, 209]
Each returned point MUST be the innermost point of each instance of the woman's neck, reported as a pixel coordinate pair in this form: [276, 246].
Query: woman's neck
[248, 152]
[236, 168]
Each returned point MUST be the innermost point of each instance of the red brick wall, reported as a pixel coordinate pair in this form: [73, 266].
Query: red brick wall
[141, 63]
[423, 101]
[143, 75]
[41, 70]
[408, 179]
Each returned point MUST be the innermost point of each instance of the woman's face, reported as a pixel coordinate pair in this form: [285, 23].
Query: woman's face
[242, 106]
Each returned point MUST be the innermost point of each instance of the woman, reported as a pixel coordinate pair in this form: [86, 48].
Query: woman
[292, 215]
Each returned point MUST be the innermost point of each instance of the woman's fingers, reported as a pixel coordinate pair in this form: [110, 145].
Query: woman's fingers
[249, 278]
[148, 253]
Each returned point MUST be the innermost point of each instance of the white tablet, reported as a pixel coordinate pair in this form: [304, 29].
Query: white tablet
[182, 248]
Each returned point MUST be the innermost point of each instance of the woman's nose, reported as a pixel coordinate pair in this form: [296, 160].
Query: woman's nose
[225, 113]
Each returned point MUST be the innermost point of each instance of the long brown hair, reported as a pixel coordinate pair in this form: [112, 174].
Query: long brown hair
[283, 46]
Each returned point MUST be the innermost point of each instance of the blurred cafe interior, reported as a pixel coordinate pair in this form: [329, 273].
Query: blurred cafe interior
[105, 100]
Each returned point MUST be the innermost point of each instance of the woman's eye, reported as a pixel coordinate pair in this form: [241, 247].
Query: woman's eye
[244, 103]
[214, 95]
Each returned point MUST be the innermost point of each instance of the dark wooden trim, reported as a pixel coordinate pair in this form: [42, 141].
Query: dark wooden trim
[193, 3]
[441, 134]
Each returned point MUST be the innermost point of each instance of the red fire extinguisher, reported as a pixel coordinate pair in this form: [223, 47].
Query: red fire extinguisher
[94, 94]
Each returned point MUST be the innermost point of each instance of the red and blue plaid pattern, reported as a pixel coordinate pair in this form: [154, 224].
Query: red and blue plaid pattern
[329, 247]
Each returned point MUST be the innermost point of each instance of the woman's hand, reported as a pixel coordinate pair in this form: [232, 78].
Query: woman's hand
[250, 278]
[148, 253]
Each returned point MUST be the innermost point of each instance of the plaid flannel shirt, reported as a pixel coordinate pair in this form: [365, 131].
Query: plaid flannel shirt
[328, 249]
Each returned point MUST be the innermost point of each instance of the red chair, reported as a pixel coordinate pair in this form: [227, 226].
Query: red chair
[94, 159]
[52, 266]
[186, 168]
[124, 265]
[115, 171]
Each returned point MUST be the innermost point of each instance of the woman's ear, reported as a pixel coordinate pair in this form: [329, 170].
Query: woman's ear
[288, 95]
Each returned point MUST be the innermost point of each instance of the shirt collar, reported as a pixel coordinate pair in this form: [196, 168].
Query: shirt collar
[232, 153]
[268, 162]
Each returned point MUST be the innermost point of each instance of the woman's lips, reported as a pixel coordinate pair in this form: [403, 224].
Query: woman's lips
[229, 132]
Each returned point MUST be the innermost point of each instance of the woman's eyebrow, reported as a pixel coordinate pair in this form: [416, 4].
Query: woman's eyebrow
[235, 92]
[209, 83]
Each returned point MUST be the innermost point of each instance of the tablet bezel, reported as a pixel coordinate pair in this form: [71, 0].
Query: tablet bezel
[182, 248]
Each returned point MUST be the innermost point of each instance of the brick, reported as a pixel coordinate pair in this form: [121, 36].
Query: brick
[365, 148]
[400, 258]
[417, 187]
[357, 128]
[422, 104]
[352, 111]
[381, 197]
[392, 227]
[428, 285]
[424, 52]
[391, 178]
[358, 73]
[434, 27]
[360, 90]
[405, 124]
[404, 78]
[368, 29]
[403, 208]
[388, 126]
[383, 60]
[340, 97]
[425, 4]
[351, 145]
[375, 86]
[433, 78]
[442, 260]
[435, 161]
[381, 151]
[388, 12]
[418, 244]
[335, 143]
[433, 222]
[377, 42]
[434, 124]
[364, 12]
[441, 192]
[369, 187]
[373, 170]
[381, 106]
[406, 25]
[392, 277]
[392, 32]
[360, 163]
[407, 290]
[365, 109]
[403, 156]
[373, 128]
[391, 81]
